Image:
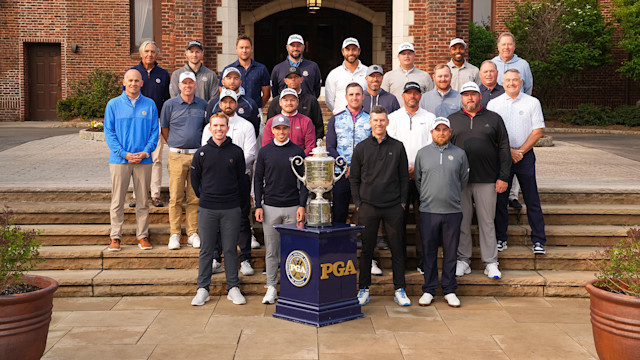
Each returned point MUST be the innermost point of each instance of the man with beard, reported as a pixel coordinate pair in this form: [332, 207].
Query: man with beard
[411, 125]
[507, 59]
[254, 75]
[351, 70]
[482, 135]
[461, 70]
[242, 134]
[308, 104]
[246, 107]
[443, 100]
[441, 172]
[375, 95]
[301, 128]
[207, 79]
[308, 69]
[395, 79]
[379, 180]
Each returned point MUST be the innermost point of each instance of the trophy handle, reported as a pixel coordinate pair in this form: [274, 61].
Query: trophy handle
[297, 161]
[340, 161]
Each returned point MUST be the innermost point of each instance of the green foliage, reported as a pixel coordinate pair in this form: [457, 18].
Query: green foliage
[595, 115]
[620, 268]
[628, 17]
[482, 44]
[90, 97]
[18, 250]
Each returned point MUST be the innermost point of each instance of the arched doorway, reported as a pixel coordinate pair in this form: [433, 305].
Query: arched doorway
[323, 34]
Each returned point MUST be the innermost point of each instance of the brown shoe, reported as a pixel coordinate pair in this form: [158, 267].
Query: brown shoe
[157, 202]
[114, 245]
[144, 244]
[132, 203]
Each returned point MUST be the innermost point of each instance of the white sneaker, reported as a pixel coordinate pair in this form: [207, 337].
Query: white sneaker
[375, 270]
[462, 268]
[491, 270]
[216, 267]
[452, 300]
[401, 298]
[202, 296]
[425, 300]
[236, 296]
[363, 296]
[254, 243]
[271, 296]
[245, 268]
[194, 240]
[174, 242]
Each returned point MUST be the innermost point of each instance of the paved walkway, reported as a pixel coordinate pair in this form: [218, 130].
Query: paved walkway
[169, 328]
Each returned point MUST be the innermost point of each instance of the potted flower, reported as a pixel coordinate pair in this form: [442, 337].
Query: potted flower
[26, 301]
[615, 300]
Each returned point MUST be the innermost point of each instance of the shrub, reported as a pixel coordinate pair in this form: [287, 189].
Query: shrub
[595, 115]
[90, 96]
[482, 44]
[619, 270]
[18, 250]
[627, 115]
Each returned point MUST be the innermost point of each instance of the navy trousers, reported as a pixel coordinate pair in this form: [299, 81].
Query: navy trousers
[525, 170]
[439, 229]
[341, 199]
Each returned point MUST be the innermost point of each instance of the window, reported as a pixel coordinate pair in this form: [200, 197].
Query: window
[145, 22]
[482, 12]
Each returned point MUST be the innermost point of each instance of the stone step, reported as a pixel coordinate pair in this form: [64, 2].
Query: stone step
[183, 282]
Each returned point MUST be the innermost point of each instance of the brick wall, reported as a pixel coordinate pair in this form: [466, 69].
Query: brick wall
[434, 27]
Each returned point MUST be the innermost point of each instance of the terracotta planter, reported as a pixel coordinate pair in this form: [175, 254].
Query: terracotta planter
[25, 318]
[615, 320]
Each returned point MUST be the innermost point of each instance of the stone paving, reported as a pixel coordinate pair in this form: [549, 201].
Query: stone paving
[170, 328]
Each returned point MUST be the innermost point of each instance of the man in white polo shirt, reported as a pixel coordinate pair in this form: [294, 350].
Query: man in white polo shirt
[351, 70]
[395, 79]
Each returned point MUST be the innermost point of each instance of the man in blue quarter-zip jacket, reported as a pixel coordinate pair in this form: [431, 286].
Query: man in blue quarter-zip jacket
[131, 132]
[344, 131]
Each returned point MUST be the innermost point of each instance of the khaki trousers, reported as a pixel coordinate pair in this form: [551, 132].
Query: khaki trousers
[179, 165]
[156, 170]
[120, 177]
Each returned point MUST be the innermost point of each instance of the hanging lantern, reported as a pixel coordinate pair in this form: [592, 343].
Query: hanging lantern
[314, 5]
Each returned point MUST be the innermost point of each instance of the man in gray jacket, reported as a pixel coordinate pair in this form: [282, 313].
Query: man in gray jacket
[441, 172]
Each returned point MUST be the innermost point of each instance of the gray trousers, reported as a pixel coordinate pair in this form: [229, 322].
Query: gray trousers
[209, 223]
[274, 216]
[515, 189]
[485, 199]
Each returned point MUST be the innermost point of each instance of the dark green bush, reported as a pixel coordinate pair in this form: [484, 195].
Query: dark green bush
[482, 44]
[90, 96]
[596, 115]
[627, 115]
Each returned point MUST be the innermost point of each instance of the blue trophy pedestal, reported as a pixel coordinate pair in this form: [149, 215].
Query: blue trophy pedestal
[318, 274]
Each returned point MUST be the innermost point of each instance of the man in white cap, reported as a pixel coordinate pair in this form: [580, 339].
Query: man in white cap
[302, 131]
[481, 133]
[351, 70]
[395, 79]
[441, 173]
[242, 134]
[461, 70]
[308, 69]
[181, 122]
[375, 95]
[207, 79]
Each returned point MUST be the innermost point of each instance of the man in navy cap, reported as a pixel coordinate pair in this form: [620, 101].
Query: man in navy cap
[207, 79]
[375, 95]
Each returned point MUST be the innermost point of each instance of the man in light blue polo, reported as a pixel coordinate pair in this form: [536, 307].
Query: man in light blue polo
[443, 100]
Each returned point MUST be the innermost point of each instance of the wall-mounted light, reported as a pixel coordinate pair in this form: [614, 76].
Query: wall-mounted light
[314, 5]
[74, 48]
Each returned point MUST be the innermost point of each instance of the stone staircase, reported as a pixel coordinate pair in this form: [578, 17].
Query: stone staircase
[74, 226]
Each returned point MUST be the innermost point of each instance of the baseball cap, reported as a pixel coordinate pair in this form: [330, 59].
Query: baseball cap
[350, 41]
[293, 70]
[187, 75]
[230, 70]
[457, 41]
[441, 120]
[280, 120]
[194, 43]
[405, 46]
[374, 69]
[230, 93]
[288, 91]
[469, 86]
[295, 38]
[412, 85]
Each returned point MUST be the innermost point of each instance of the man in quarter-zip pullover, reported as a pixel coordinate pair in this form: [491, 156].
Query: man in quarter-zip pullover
[375, 95]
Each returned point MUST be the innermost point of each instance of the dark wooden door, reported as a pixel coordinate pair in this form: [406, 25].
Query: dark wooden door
[44, 80]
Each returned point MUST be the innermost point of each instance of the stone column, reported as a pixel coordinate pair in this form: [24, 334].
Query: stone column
[402, 19]
[227, 15]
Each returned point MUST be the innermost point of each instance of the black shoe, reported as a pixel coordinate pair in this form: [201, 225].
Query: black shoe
[132, 203]
[382, 243]
[421, 268]
[515, 204]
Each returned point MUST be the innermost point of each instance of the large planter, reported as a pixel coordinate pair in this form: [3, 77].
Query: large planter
[25, 318]
[615, 320]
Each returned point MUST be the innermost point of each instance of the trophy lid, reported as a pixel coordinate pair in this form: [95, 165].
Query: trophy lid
[319, 153]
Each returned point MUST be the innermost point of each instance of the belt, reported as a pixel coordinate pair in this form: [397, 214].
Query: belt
[183, 151]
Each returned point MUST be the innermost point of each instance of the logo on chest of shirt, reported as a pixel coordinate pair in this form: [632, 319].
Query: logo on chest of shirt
[231, 161]
[144, 112]
[450, 157]
[158, 80]
[241, 111]
[486, 125]
[305, 73]
[204, 78]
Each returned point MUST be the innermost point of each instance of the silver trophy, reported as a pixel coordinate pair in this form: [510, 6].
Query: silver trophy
[318, 178]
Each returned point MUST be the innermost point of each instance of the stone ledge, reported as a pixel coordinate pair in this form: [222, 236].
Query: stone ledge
[91, 135]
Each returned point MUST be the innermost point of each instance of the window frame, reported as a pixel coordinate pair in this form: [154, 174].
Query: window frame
[157, 24]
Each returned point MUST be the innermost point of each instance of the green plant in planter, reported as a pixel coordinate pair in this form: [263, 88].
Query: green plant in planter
[18, 253]
[620, 267]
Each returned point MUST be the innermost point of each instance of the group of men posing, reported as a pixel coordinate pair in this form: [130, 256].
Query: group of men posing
[443, 149]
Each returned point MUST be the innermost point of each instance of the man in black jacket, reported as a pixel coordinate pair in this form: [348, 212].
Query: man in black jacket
[481, 133]
[217, 170]
[379, 185]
